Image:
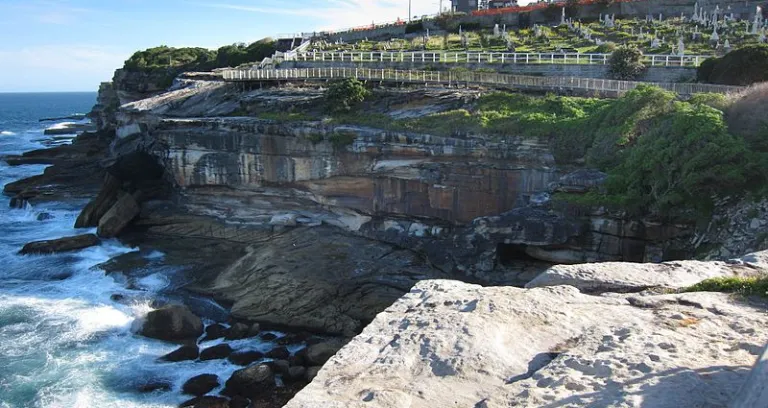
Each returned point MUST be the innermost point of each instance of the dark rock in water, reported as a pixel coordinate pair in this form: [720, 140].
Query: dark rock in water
[281, 366]
[312, 373]
[96, 208]
[268, 336]
[237, 331]
[206, 402]
[17, 202]
[254, 330]
[154, 385]
[239, 402]
[250, 382]
[280, 353]
[214, 331]
[295, 374]
[44, 216]
[125, 263]
[117, 297]
[216, 352]
[172, 323]
[299, 359]
[60, 245]
[244, 358]
[184, 353]
[200, 385]
[119, 216]
[319, 354]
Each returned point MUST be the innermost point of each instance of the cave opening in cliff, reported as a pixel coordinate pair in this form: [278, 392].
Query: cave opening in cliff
[511, 254]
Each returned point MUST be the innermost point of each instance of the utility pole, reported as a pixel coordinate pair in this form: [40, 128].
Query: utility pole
[409, 11]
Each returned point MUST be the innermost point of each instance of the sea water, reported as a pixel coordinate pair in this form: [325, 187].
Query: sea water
[63, 341]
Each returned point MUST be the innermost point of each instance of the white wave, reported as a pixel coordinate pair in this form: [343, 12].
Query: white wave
[7, 133]
[62, 125]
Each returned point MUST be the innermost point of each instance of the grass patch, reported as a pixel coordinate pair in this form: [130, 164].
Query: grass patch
[739, 286]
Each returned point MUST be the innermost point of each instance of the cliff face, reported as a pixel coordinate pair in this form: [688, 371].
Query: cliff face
[475, 207]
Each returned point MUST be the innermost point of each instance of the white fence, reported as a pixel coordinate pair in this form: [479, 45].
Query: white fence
[493, 58]
[462, 78]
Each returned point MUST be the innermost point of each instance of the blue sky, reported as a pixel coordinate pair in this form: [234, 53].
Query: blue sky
[72, 45]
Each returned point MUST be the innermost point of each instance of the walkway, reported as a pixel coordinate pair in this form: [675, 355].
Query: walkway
[557, 84]
[437, 57]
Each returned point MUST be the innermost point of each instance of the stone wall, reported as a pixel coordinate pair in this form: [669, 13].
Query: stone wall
[653, 74]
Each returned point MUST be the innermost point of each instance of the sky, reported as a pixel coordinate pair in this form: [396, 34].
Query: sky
[73, 45]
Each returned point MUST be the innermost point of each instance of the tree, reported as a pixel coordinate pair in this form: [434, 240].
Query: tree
[743, 66]
[625, 63]
[344, 94]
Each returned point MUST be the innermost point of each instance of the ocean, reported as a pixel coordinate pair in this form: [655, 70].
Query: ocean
[63, 341]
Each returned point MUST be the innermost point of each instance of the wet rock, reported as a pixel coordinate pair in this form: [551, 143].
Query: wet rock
[96, 208]
[200, 385]
[319, 354]
[214, 331]
[250, 382]
[44, 216]
[154, 385]
[183, 353]
[206, 402]
[218, 352]
[311, 373]
[280, 353]
[239, 402]
[119, 216]
[172, 323]
[117, 297]
[295, 374]
[298, 359]
[60, 245]
[244, 358]
[237, 331]
[268, 336]
[254, 330]
[281, 366]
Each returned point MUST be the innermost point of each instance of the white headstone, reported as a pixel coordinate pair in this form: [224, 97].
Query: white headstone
[660, 17]
[714, 37]
[655, 43]
[680, 46]
[727, 45]
[562, 16]
[496, 31]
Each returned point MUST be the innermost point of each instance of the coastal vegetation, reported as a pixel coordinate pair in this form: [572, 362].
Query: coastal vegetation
[744, 286]
[743, 66]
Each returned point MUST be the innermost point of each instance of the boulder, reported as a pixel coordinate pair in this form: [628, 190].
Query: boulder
[60, 245]
[250, 382]
[244, 358]
[280, 366]
[200, 385]
[239, 402]
[184, 353]
[253, 331]
[280, 353]
[214, 331]
[218, 352]
[152, 385]
[629, 277]
[237, 331]
[449, 343]
[172, 323]
[119, 216]
[311, 372]
[295, 374]
[96, 208]
[754, 392]
[206, 402]
[318, 354]
[268, 336]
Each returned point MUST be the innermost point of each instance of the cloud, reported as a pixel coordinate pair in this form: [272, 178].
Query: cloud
[339, 14]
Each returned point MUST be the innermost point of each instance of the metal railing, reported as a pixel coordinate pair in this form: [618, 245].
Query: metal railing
[463, 78]
[491, 58]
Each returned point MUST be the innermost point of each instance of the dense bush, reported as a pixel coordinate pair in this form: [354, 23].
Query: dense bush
[744, 66]
[344, 94]
[705, 69]
[414, 27]
[606, 48]
[192, 59]
[625, 63]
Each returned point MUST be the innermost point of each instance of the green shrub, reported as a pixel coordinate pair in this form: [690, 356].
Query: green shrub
[744, 286]
[715, 100]
[625, 63]
[341, 139]
[414, 27]
[705, 69]
[606, 48]
[743, 66]
[345, 94]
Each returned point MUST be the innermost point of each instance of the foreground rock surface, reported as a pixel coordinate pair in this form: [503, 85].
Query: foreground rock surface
[60, 245]
[628, 277]
[448, 343]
